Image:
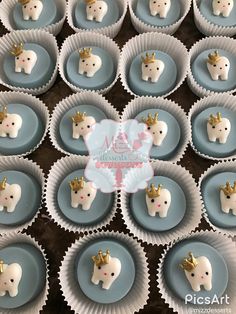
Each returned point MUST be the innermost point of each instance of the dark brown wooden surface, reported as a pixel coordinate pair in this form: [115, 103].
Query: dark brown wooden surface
[53, 238]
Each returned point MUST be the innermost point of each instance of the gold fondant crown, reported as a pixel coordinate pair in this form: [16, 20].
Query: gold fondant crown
[213, 57]
[214, 120]
[228, 189]
[151, 120]
[17, 49]
[23, 2]
[189, 263]
[150, 58]
[90, 1]
[3, 184]
[101, 258]
[79, 117]
[85, 53]
[77, 184]
[3, 113]
[1, 266]
[153, 191]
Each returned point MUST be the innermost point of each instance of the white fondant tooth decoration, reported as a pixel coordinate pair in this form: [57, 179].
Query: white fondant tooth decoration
[198, 272]
[31, 9]
[96, 10]
[82, 193]
[89, 63]
[218, 128]
[222, 7]
[82, 125]
[228, 198]
[158, 200]
[218, 66]
[160, 7]
[106, 269]
[158, 129]
[10, 124]
[25, 60]
[10, 195]
[10, 277]
[152, 68]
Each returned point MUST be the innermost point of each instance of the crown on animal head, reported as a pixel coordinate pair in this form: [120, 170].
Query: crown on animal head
[90, 1]
[23, 2]
[102, 258]
[3, 184]
[85, 53]
[1, 266]
[151, 120]
[77, 184]
[228, 189]
[153, 191]
[213, 57]
[150, 58]
[17, 49]
[3, 113]
[189, 263]
[214, 120]
[79, 117]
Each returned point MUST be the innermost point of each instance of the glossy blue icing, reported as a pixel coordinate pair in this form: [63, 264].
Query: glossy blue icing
[102, 78]
[176, 210]
[65, 128]
[30, 199]
[40, 74]
[84, 269]
[200, 136]
[29, 135]
[165, 83]
[48, 16]
[172, 138]
[203, 77]
[143, 12]
[80, 16]
[211, 196]
[175, 276]
[207, 11]
[101, 205]
[33, 278]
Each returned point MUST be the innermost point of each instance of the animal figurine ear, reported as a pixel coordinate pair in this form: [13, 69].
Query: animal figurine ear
[159, 7]
[25, 60]
[152, 68]
[222, 7]
[31, 9]
[10, 195]
[218, 128]
[10, 124]
[89, 64]
[228, 198]
[96, 10]
[10, 277]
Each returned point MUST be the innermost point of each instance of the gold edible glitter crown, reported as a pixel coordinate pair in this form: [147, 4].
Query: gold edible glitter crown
[153, 191]
[17, 49]
[228, 189]
[151, 120]
[90, 1]
[79, 117]
[3, 184]
[1, 266]
[213, 57]
[150, 58]
[214, 120]
[85, 53]
[77, 184]
[189, 263]
[101, 258]
[23, 2]
[3, 113]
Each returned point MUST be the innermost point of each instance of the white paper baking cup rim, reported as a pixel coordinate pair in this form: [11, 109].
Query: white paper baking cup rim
[132, 302]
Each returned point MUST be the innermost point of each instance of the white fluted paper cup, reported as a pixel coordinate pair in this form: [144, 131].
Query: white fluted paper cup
[191, 218]
[229, 166]
[90, 98]
[109, 31]
[13, 163]
[40, 37]
[58, 172]
[140, 104]
[156, 41]
[216, 42]
[6, 7]
[35, 104]
[87, 39]
[132, 302]
[37, 304]
[223, 100]
[142, 27]
[226, 247]
[208, 28]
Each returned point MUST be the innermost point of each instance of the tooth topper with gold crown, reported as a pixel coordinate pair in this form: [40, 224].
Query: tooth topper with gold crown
[6, 191]
[25, 60]
[102, 258]
[10, 124]
[218, 128]
[85, 53]
[96, 10]
[228, 189]
[149, 58]
[218, 66]
[189, 263]
[92, 65]
[82, 125]
[213, 57]
[228, 198]
[77, 184]
[3, 184]
[79, 117]
[214, 120]
[151, 67]
[17, 49]
[154, 192]
[3, 113]
[10, 277]
[31, 9]
[149, 121]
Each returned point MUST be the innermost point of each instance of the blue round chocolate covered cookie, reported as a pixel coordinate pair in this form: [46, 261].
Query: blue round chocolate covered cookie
[101, 282]
[161, 210]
